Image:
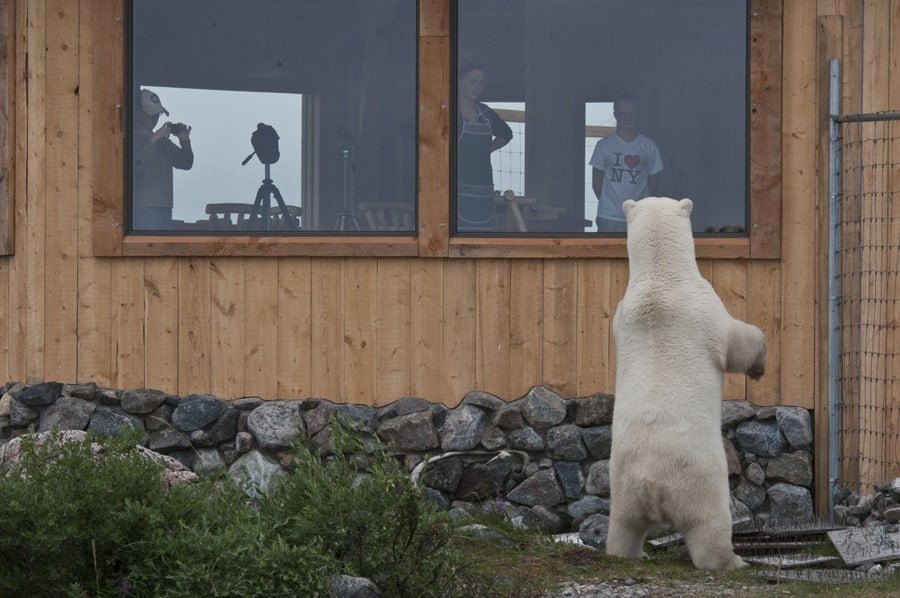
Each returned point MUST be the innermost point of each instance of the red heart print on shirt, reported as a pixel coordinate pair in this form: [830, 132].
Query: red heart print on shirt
[632, 160]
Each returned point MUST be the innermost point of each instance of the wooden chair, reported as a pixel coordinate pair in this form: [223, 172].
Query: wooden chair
[389, 216]
[236, 216]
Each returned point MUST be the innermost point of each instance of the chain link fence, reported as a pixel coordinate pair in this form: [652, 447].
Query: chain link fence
[865, 300]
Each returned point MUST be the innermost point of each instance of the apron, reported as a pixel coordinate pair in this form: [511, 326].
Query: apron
[474, 176]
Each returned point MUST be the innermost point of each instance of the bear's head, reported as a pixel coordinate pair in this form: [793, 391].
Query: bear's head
[659, 231]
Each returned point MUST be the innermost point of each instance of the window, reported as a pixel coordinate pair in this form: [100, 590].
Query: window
[295, 118]
[625, 99]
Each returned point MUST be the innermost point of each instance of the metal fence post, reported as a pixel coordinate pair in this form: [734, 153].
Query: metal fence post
[834, 348]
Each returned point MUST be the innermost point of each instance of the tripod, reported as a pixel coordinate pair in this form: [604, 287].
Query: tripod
[262, 205]
[346, 219]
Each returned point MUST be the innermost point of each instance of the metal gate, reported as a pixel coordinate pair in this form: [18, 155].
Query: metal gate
[864, 297]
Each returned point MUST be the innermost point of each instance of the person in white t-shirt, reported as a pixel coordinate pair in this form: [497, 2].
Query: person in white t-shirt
[626, 166]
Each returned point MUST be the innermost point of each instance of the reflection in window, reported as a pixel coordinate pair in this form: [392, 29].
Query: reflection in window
[569, 66]
[300, 117]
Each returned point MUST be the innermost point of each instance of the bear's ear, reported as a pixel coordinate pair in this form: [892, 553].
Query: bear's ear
[627, 207]
[686, 206]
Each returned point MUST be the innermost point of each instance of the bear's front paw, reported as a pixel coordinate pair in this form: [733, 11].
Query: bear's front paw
[756, 372]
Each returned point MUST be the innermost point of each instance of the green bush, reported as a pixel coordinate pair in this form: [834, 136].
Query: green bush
[369, 514]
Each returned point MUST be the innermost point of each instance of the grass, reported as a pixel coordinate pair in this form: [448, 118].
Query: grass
[538, 564]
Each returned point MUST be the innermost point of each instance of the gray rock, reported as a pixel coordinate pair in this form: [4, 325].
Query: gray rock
[595, 410]
[357, 417]
[142, 400]
[40, 395]
[525, 439]
[197, 412]
[111, 397]
[598, 441]
[790, 504]
[84, 391]
[493, 438]
[67, 413]
[401, 407]
[571, 478]
[208, 462]
[5, 402]
[588, 506]
[755, 473]
[462, 428]
[484, 400]
[761, 438]
[410, 432]
[598, 479]
[508, 418]
[545, 519]
[594, 530]
[247, 403]
[483, 532]
[21, 414]
[739, 510]
[256, 473]
[794, 468]
[224, 428]
[796, 425]
[161, 417]
[732, 459]
[750, 494]
[243, 442]
[542, 408]
[317, 418]
[276, 425]
[168, 439]
[483, 481]
[109, 422]
[347, 586]
[734, 412]
[542, 488]
[564, 443]
[444, 474]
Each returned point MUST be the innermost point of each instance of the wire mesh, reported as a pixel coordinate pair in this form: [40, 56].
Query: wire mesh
[868, 301]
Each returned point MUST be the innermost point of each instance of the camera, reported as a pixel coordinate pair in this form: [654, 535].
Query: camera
[265, 144]
[177, 128]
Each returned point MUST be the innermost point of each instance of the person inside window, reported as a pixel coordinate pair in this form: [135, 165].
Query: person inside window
[155, 155]
[626, 165]
[479, 131]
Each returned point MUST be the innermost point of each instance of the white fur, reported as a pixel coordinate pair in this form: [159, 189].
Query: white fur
[674, 340]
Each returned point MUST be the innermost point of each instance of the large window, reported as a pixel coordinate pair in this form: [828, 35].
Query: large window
[268, 117]
[625, 98]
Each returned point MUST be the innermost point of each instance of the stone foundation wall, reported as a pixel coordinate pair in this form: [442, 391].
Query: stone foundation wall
[542, 458]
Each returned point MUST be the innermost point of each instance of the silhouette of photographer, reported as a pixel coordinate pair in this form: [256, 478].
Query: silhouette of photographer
[155, 155]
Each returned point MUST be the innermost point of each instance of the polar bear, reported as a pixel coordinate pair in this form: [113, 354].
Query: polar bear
[674, 340]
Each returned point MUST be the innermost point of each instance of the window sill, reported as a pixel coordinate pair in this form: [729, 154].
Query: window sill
[721, 248]
[248, 246]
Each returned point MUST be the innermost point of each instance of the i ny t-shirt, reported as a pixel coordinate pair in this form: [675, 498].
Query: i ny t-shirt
[626, 166]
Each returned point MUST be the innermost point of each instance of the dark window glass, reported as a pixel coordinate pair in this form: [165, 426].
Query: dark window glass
[567, 107]
[273, 116]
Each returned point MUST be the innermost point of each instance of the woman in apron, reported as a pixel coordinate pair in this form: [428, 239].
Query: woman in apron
[479, 131]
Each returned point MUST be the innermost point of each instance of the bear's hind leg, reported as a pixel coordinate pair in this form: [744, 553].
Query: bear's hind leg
[710, 547]
[626, 535]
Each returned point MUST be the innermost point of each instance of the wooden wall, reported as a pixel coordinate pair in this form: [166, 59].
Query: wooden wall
[372, 329]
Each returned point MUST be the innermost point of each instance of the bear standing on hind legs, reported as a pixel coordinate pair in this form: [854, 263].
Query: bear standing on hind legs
[674, 341]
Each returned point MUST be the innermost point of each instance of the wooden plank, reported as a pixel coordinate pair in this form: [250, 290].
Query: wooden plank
[434, 18]
[459, 332]
[729, 279]
[426, 328]
[526, 322]
[892, 289]
[161, 321]
[434, 144]
[492, 350]
[764, 311]
[194, 326]
[227, 318]
[61, 180]
[560, 293]
[127, 315]
[109, 143]
[766, 127]
[618, 282]
[327, 341]
[8, 66]
[294, 327]
[799, 213]
[94, 302]
[360, 362]
[393, 336]
[35, 254]
[594, 319]
[261, 327]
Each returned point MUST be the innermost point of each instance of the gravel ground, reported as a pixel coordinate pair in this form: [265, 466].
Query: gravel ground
[652, 588]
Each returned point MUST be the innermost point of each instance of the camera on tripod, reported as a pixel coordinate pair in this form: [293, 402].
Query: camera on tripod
[265, 144]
